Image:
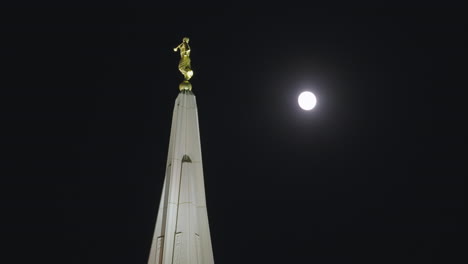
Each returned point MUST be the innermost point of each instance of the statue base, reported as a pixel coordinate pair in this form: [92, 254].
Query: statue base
[185, 86]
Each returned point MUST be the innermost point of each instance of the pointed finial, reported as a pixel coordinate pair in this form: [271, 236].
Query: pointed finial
[184, 64]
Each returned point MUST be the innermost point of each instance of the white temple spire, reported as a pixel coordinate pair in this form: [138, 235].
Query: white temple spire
[182, 234]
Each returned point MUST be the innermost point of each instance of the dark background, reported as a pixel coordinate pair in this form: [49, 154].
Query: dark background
[371, 175]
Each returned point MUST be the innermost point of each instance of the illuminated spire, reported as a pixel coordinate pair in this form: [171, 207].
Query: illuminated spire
[182, 234]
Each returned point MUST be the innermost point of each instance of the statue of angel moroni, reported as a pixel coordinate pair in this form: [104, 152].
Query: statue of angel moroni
[184, 63]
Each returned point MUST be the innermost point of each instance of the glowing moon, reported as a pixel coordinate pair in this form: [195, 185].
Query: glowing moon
[307, 100]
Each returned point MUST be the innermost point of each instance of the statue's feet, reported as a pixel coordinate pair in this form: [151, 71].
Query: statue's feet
[188, 75]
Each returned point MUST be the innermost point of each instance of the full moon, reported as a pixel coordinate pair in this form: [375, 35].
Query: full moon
[307, 100]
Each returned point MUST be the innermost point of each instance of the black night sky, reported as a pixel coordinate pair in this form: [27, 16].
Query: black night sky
[371, 175]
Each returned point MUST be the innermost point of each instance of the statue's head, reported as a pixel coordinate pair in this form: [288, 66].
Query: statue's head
[185, 39]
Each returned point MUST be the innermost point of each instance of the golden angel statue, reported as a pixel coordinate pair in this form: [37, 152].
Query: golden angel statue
[184, 63]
